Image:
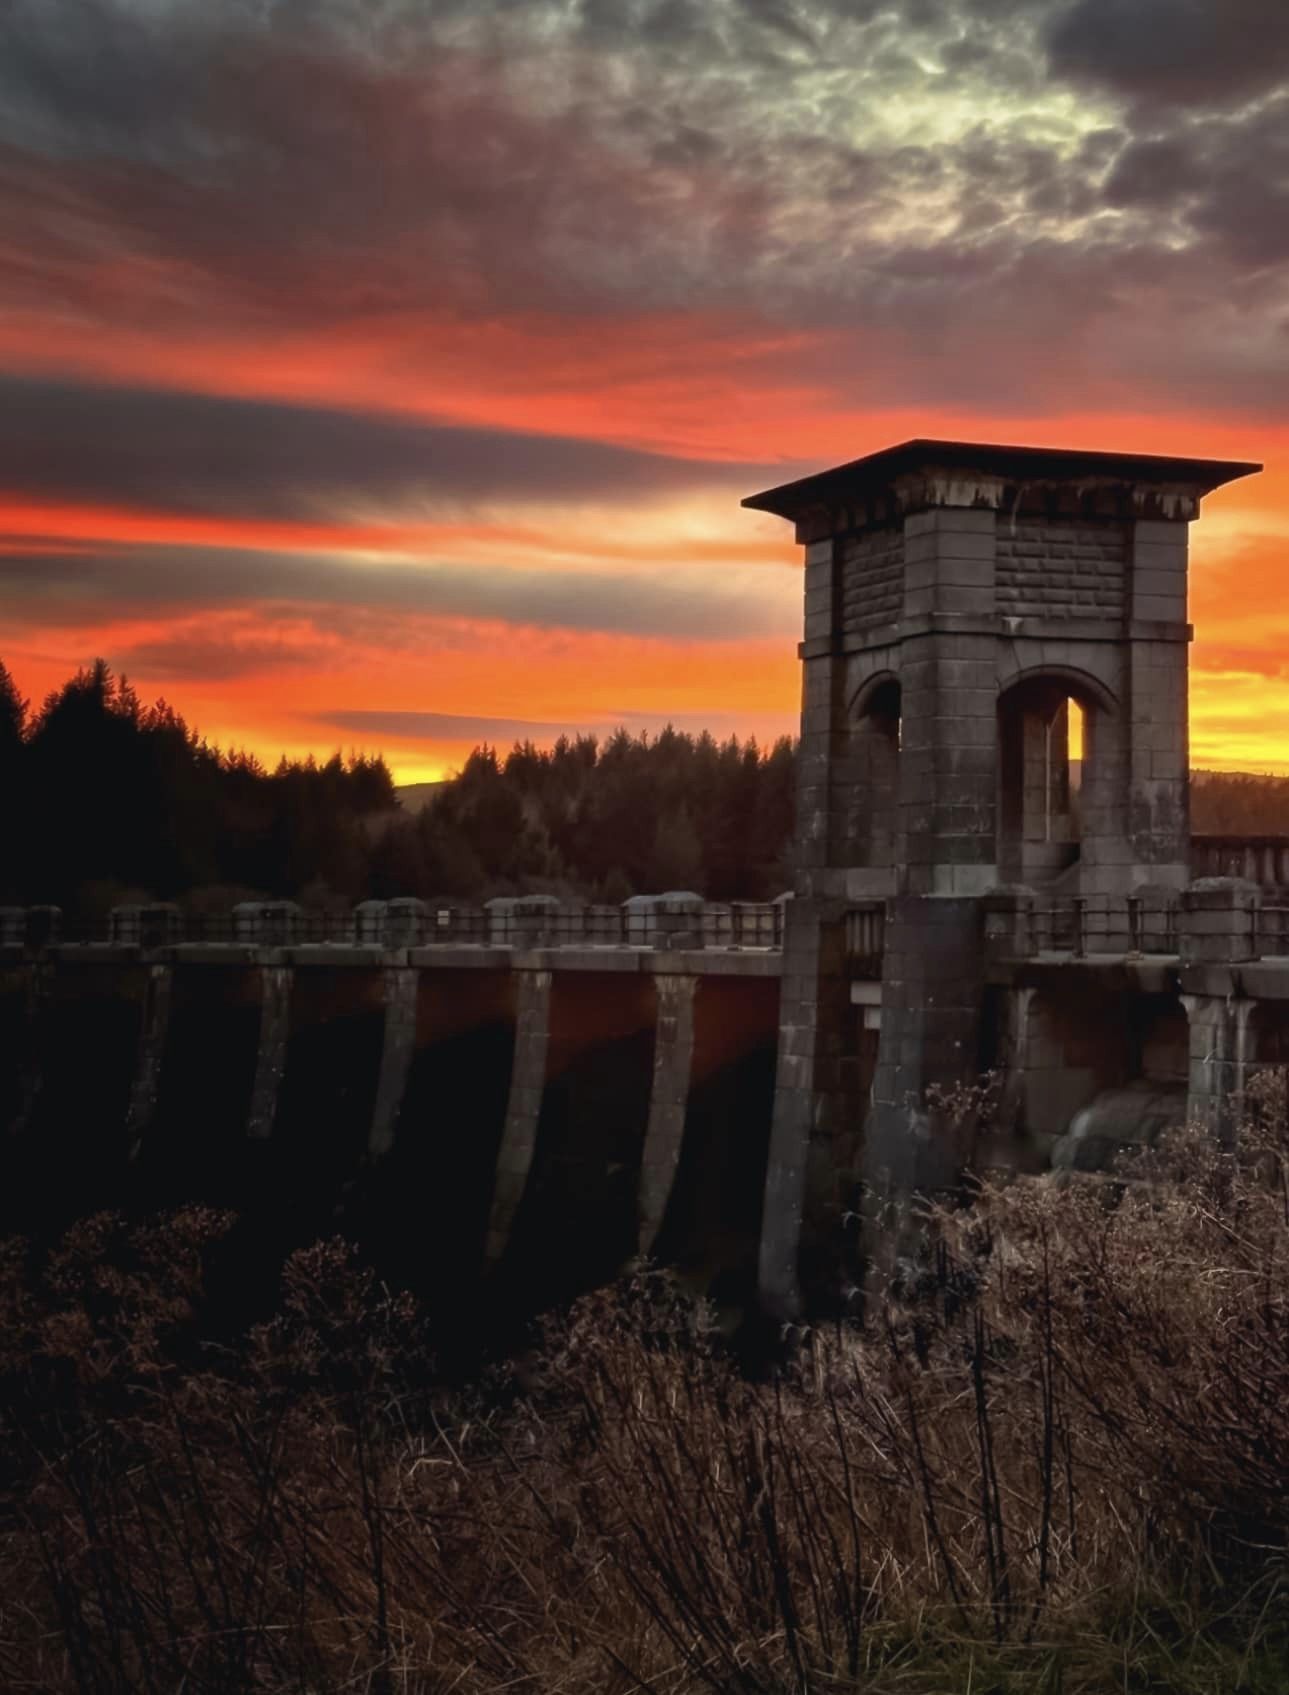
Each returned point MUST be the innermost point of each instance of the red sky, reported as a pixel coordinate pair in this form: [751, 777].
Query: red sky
[389, 376]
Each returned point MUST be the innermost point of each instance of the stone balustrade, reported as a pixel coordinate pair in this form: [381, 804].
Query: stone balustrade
[667, 922]
[1256, 859]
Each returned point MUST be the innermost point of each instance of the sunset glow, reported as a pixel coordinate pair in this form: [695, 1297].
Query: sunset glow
[388, 378]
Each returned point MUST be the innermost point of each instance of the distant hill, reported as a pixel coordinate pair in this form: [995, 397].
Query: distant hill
[413, 796]
[1239, 803]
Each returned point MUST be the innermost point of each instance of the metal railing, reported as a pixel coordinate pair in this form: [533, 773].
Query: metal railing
[1106, 924]
[664, 923]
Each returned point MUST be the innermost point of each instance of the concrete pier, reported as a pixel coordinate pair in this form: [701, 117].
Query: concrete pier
[398, 1047]
[523, 1112]
[270, 1057]
[668, 1100]
[146, 1086]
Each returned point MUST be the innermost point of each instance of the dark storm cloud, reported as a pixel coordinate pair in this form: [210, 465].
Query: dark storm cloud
[197, 454]
[1205, 52]
[263, 163]
[374, 600]
[1227, 181]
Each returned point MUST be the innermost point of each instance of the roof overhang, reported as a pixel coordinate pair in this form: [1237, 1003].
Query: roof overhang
[967, 473]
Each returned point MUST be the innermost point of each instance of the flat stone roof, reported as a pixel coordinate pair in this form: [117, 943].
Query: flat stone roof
[962, 459]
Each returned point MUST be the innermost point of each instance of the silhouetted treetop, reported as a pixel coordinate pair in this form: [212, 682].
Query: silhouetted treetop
[118, 800]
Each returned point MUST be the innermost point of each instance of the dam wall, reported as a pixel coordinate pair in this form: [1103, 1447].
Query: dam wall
[527, 1105]
[529, 1109]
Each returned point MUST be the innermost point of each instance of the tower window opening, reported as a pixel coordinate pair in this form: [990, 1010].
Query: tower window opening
[1041, 729]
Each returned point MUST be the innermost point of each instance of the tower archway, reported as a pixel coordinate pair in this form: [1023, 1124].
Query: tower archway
[1052, 741]
[876, 731]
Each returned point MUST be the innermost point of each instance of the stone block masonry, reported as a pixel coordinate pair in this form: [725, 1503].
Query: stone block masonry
[1076, 570]
[961, 600]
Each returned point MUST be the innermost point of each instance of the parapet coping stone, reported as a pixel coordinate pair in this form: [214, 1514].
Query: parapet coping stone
[1255, 979]
[1148, 973]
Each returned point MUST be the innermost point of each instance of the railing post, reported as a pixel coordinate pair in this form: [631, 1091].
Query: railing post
[1134, 926]
[1080, 926]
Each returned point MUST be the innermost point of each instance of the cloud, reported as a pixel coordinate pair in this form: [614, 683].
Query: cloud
[864, 166]
[222, 654]
[471, 728]
[339, 596]
[191, 453]
[1174, 52]
[918, 184]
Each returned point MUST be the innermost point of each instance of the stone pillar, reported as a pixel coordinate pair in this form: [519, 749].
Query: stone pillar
[147, 1071]
[398, 1044]
[270, 1056]
[813, 1108]
[268, 923]
[523, 1109]
[1009, 923]
[1219, 1036]
[949, 754]
[932, 989]
[823, 711]
[156, 925]
[673, 920]
[1158, 735]
[1218, 921]
[1013, 1057]
[673, 1056]
[1217, 928]
[38, 998]
[369, 922]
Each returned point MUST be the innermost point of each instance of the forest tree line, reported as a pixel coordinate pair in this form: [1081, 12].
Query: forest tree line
[108, 800]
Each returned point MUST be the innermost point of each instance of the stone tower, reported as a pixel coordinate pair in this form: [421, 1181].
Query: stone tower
[966, 605]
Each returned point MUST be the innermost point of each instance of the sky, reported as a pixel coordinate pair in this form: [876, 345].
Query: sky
[386, 374]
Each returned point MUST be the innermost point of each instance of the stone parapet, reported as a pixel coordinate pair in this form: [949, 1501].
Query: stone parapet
[157, 925]
[1008, 917]
[1257, 859]
[271, 923]
[1218, 921]
[672, 920]
[13, 926]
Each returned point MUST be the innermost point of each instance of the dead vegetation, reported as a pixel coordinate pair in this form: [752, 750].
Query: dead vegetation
[1060, 1463]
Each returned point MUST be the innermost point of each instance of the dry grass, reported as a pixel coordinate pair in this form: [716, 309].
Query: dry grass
[1060, 1462]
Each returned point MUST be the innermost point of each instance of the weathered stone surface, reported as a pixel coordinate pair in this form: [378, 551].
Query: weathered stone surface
[958, 598]
[669, 1096]
[527, 1084]
[146, 1083]
[270, 1059]
[398, 1044]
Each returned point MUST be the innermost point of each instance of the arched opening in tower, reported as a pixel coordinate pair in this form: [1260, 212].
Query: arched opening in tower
[870, 774]
[1045, 746]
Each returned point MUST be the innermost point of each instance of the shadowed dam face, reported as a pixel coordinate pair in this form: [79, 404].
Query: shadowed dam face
[494, 1129]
